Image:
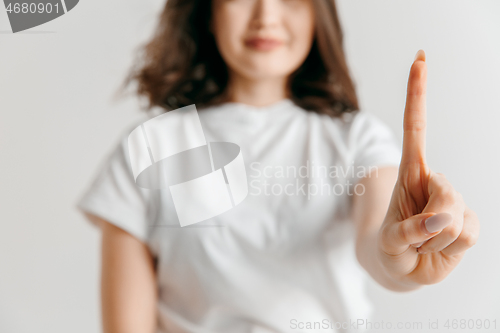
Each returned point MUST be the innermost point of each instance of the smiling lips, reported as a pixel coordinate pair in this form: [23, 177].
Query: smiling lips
[263, 44]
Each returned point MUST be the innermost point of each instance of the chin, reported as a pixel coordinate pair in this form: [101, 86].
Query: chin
[265, 73]
[266, 69]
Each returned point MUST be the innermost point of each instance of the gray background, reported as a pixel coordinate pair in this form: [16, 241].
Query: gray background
[58, 120]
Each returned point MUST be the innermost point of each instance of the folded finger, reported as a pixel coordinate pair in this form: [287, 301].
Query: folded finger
[468, 237]
[398, 236]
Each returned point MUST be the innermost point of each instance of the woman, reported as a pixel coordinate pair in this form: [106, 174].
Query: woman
[270, 76]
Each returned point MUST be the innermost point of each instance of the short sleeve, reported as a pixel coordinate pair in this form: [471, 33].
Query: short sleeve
[114, 196]
[372, 143]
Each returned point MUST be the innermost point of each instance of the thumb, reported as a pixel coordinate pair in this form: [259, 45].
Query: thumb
[418, 228]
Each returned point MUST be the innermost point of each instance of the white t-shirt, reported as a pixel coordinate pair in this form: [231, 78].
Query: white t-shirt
[283, 260]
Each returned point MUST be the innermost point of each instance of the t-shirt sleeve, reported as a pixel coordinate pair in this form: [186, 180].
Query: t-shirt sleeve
[373, 145]
[114, 196]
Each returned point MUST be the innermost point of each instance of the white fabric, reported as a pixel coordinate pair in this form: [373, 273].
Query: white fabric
[273, 263]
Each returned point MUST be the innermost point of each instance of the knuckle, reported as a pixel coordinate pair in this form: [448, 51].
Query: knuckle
[445, 200]
[444, 183]
[440, 178]
[447, 194]
[469, 239]
[457, 197]
[453, 231]
[473, 215]
[476, 219]
[439, 175]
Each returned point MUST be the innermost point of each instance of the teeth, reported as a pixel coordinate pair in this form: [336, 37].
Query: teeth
[28, 14]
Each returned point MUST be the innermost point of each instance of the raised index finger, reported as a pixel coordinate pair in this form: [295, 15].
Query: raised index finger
[414, 122]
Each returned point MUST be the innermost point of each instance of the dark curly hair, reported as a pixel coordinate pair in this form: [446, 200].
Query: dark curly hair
[181, 64]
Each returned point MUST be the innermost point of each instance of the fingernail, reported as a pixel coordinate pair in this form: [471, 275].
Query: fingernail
[437, 222]
[420, 55]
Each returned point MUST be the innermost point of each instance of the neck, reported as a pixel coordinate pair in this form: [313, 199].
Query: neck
[256, 92]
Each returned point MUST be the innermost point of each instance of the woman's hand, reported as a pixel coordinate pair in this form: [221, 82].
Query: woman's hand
[425, 210]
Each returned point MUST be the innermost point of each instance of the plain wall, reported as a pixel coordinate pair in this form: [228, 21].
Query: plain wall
[58, 120]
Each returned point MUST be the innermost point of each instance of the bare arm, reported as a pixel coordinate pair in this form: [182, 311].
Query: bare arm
[428, 227]
[369, 210]
[128, 282]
